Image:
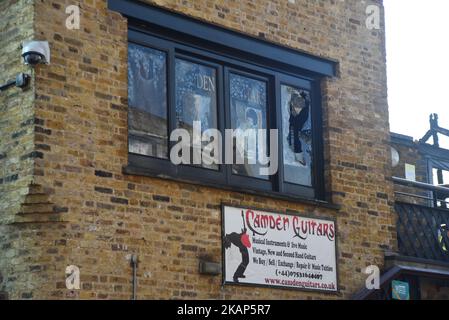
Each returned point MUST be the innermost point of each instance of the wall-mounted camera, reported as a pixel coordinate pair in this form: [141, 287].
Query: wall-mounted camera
[33, 53]
[36, 52]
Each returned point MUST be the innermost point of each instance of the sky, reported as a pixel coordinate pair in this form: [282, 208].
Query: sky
[417, 64]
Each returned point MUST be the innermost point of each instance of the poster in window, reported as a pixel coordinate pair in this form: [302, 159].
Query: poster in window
[147, 96]
[248, 111]
[297, 135]
[196, 99]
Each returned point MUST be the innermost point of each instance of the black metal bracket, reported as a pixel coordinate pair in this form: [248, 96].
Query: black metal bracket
[21, 81]
[435, 129]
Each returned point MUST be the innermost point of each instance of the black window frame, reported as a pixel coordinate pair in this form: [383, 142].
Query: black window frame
[204, 49]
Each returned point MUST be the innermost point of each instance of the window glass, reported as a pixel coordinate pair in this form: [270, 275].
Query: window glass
[196, 101]
[147, 95]
[444, 175]
[296, 135]
[248, 103]
[438, 174]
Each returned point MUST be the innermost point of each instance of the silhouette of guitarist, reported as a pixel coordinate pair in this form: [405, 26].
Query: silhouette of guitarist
[241, 241]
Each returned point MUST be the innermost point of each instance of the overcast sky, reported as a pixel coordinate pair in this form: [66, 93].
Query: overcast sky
[418, 64]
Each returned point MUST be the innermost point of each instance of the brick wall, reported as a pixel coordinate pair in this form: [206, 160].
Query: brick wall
[85, 211]
[17, 148]
[409, 154]
[16, 108]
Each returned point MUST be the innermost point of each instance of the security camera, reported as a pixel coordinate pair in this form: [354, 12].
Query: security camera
[36, 52]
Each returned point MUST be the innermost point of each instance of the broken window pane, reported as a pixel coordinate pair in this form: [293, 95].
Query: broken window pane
[296, 135]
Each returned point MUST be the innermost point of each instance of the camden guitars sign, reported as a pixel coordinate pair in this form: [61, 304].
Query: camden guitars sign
[278, 250]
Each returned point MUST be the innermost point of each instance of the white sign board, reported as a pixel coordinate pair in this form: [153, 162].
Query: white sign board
[278, 250]
[410, 172]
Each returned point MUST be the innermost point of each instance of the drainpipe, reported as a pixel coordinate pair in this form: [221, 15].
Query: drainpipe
[134, 265]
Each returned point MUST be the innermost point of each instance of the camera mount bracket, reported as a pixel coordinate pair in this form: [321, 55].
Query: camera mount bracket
[21, 81]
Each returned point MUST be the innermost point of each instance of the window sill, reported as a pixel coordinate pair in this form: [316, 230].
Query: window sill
[134, 170]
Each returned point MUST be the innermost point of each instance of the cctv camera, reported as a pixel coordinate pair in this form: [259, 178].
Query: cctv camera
[35, 52]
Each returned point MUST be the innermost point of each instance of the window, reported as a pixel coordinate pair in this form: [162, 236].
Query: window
[180, 78]
[196, 100]
[248, 109]
[297, 135]
[439, 168]
[147, 96]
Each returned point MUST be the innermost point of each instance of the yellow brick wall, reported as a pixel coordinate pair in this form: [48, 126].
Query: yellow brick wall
[16, 111]
[81, 99]
[17, 155]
